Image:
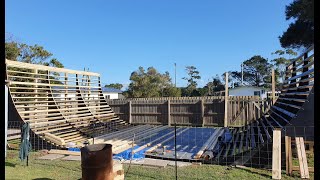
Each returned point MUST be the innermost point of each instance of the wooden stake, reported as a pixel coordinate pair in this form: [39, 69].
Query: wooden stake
[288, 155]
[303, 165]
[226, 102]
[276, 154]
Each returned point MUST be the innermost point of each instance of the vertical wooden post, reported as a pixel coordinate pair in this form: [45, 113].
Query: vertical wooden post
[276, 154]
[273, 87]
[6, 93]
[169, 116]
[100, 98]
[36, 87]
[202, 112]
[130, 110]
[288, 155]
[77, 93]
[66, 89]
[226, 94]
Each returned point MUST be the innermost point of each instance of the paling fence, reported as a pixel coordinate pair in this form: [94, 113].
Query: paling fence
[195, 111]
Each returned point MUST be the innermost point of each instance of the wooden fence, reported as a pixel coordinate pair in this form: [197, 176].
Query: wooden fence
[191, 111]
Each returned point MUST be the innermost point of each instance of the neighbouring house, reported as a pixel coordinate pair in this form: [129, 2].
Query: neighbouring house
[108, 93]
[112, 93]
[249, 91]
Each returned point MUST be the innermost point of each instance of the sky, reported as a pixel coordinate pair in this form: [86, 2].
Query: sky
[115, 37]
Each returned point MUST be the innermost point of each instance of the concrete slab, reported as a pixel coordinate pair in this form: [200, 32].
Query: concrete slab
[155, 162]
[134, 162]
[72, 158]
[179, 164]
[51, 156]
[148, 162]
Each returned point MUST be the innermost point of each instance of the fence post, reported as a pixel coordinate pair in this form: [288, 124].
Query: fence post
[202, 112]
[276, 154]
[226, 102]
[169, 116]
[130, 109]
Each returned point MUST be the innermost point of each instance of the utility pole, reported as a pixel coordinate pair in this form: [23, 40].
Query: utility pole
[241, 74]
[175, 75]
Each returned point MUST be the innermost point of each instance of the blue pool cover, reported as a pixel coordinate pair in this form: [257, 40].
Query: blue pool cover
[189, 142]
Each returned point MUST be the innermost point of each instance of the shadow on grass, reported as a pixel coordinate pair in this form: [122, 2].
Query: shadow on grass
[254, 172]
[64, 167]
[10, 164]
[132, 173]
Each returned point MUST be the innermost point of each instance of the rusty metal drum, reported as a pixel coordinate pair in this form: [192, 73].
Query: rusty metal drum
[96, 162]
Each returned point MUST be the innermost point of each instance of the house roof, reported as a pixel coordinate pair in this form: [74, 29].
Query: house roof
[108, 89]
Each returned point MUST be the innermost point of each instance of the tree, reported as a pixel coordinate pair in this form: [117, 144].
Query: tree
[300, 33]
[193, 74]
[33, 54]
[12, 51]
[280, 63]
[114, 85]
[150, 84]
[171, 92]
[214, 85]
[256, 72]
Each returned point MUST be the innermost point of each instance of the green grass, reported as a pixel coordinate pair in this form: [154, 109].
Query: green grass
[59, 169]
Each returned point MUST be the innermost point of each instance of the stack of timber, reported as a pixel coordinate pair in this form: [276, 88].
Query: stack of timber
[62, 106]
[293, 109]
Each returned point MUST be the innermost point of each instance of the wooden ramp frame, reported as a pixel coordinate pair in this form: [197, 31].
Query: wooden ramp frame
[297, 88]
[62, 106]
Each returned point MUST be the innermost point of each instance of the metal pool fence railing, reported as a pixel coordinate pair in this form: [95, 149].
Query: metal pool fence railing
[189, 144]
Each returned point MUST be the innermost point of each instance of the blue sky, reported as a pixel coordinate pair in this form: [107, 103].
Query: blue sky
[115, 37]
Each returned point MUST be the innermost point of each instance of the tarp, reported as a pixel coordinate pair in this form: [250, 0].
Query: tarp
[25, 145]
[227, 136]
[126, 155]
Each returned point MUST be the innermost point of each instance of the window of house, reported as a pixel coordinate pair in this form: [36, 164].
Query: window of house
[107, 96]
[256, 93]
[262, 91]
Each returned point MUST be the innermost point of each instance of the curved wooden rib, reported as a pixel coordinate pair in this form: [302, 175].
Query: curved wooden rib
[70, 136]
[98, 106]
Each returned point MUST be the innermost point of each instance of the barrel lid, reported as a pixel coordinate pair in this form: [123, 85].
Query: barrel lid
[96, 147]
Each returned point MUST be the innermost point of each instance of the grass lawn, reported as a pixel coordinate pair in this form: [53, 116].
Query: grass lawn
[59, 169]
